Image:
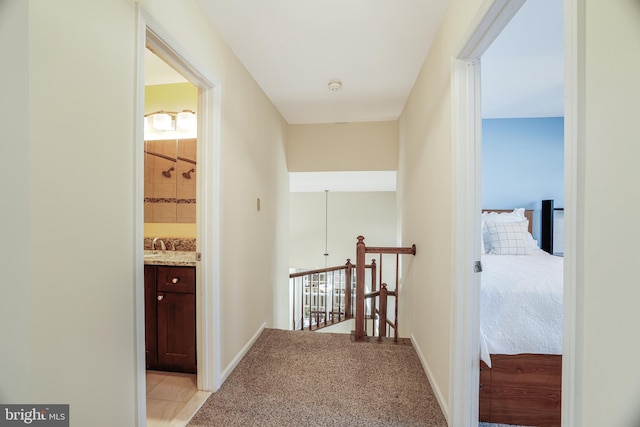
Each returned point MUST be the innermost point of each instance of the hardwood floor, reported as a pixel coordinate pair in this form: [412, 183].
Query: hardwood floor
[172, 398]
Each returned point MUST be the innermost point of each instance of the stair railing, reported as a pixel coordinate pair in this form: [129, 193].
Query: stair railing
[377, 308]
[325, 296]
[322, 297]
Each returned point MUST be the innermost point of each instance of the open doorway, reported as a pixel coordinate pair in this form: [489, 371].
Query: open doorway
[170, 188]
[522, 145]
[467, 89]
[201, 156]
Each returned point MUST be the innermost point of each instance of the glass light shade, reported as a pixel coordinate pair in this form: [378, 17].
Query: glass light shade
[148, 124]
[186, 120]
[163, 121]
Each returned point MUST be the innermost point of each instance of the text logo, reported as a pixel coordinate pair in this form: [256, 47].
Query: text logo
[34, 415]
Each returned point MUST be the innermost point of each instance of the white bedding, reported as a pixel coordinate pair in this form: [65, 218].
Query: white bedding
[521, 304]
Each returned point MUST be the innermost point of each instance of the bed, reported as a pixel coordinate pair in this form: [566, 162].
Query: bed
[521, 324]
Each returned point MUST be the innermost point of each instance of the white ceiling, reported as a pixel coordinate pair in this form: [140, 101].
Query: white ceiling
[293, 48]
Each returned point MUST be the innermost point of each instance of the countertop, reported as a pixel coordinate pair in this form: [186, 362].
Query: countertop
[180, 258]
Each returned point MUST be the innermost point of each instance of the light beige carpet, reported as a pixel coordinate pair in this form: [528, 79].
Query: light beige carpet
[310, 379]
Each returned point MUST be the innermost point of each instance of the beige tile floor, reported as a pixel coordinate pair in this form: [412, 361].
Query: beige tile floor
[172, 398]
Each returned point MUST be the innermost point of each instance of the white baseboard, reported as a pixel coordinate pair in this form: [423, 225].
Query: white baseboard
[231, 366]
[436, 390]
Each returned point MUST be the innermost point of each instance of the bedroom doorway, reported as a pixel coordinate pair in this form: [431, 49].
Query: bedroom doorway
[151, 36]
[467, 127]
[523, 136]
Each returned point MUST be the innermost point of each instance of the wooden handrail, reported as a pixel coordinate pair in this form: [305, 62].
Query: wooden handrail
[320, 270]
[377, 293]
[389, 250]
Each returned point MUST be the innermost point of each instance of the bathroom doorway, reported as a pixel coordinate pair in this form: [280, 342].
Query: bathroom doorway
[201, 219]
[170, 187]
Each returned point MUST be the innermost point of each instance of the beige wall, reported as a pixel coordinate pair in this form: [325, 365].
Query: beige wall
[253, 166]
[72, 288]
[14, 228]
[350, 214]
[81, 276]
[609, 378]
[370, 146]
[425, 191]
[68, 313]
[608, 250]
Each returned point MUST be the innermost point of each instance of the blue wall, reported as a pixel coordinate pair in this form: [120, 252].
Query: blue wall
[522, 164]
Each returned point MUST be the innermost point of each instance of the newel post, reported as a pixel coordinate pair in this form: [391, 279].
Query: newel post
[382, 319]
[347, 289]
[360, 271]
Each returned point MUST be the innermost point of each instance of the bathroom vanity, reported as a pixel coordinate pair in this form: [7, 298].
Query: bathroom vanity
[170, 311]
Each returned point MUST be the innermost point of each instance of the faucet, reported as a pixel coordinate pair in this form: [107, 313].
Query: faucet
[162, 245]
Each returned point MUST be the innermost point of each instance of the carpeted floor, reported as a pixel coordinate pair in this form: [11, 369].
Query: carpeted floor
[305, 378]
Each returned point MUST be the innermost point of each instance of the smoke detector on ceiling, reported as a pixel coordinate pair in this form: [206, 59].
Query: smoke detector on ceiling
[335, 85]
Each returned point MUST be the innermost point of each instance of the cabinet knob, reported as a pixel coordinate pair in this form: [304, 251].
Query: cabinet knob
[174, 280]
[160, 297]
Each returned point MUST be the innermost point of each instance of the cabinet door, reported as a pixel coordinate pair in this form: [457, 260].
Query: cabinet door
[176, 331]
[150, 324]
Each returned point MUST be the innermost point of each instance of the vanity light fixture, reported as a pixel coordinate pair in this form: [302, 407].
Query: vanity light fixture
[163, 121]
[186, 119]
[170, 120]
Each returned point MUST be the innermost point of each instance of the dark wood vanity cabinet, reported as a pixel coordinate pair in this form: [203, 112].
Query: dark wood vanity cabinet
[170, 316]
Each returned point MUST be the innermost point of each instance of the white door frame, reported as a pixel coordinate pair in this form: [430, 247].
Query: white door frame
[169, 50]
[574, 131]
[464, 363]
[464, 366]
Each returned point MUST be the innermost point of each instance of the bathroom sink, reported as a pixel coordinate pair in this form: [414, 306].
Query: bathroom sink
[169, 257]
[152, 255]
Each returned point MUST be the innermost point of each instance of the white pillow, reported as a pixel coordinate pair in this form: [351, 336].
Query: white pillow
[516, 215]
[509, 237]
[486, 241]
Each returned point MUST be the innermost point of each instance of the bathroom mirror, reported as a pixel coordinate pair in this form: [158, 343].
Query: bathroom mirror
[169, 181]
